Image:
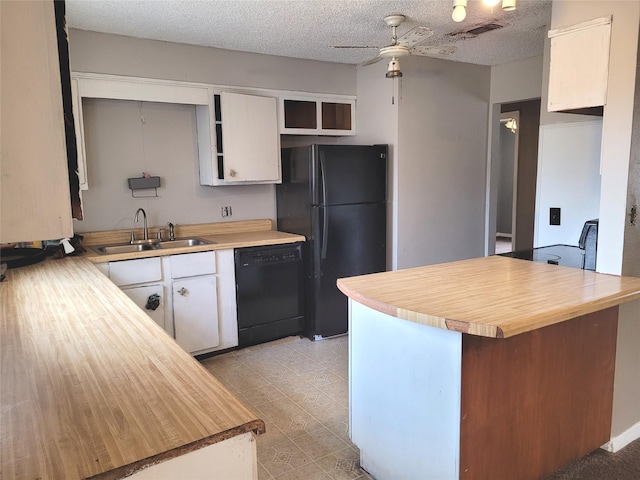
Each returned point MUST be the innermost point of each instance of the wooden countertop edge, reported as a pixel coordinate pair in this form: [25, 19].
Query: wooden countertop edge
[487, 329]
[421, 318]
[257, 426]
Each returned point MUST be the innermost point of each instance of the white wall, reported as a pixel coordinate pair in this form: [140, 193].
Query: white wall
[617, 118]
[568, 178]
[441, 155]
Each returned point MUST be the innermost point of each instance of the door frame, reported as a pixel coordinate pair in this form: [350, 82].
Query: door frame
[504, 116]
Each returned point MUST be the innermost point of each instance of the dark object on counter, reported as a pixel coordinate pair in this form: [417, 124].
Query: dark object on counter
[335, 195]
[21, 257]
[589, 243]
[563, 255]
[269, 292]
[581, 256]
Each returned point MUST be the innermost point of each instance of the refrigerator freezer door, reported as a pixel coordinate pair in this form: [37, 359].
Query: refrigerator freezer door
[349, 174]
[351, 241]
[293, 197]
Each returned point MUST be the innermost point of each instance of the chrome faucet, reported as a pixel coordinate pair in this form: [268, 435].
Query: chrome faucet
[144, 216]
[172, 232]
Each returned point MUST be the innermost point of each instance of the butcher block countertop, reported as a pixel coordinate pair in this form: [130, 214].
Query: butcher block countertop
[491, 296]
[247, 233]
[92, 387]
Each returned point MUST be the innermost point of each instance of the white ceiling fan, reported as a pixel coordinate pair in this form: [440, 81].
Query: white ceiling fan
[407, 44]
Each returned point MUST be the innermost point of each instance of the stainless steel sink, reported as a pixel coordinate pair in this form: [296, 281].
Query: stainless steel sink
[184, 242]
[125, 248]
[145, 245]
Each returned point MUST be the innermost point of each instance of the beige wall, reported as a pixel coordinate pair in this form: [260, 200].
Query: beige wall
[513, 82]
[377, 122]
[120, 145]
[441, 153]
[119, 55]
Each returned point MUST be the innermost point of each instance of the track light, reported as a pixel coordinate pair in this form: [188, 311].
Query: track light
[460, 7]
[508, 5]
[459, 10]
[393, 70]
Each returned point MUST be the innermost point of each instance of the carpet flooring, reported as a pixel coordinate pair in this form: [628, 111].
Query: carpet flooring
[602, 465]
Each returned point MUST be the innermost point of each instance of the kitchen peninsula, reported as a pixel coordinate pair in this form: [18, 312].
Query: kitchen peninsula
[484, 368]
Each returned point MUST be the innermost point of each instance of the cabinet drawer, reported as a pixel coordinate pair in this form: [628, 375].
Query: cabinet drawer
[192, 264]
[130, 272]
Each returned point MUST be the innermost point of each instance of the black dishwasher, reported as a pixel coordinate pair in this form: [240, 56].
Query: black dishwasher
[269, 292]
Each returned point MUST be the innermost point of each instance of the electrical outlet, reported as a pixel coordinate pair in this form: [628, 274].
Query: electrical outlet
[226, 211]
[554, 216]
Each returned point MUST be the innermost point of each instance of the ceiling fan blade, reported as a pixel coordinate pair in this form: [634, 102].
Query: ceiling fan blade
[371, 62]
[352, 46]
[415, 36]
[442, 50]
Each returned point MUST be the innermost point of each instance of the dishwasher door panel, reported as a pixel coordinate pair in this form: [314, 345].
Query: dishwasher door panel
[269, 293]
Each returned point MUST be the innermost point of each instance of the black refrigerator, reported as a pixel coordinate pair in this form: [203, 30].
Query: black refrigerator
[334, 195]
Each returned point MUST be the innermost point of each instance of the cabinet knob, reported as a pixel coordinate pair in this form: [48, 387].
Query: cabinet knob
[183, 291]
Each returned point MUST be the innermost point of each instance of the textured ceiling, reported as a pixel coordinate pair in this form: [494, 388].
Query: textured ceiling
[311, 29]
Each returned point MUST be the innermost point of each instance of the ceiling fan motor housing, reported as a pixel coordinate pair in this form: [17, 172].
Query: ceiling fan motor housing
[394, 51]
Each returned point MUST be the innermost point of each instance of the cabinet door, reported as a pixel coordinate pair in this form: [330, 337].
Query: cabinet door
[195, 313]
[34, 181]
[145, 298]
[130, 272]
[579, 65]
[250, 139]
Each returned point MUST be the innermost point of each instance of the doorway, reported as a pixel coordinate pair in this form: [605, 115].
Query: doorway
[507, 182]
[525, 173]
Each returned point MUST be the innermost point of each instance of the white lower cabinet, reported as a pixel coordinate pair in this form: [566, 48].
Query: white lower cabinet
[149, 298]
[195, 313]
[196, 296]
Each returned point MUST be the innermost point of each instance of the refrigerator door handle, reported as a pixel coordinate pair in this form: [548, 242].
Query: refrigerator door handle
[325, 234]
[325, 223]
[323, 189]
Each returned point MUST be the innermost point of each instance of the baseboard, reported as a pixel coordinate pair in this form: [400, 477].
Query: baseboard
[625, 438]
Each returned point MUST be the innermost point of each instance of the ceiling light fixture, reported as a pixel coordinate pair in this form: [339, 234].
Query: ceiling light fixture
[459, 10]
[460, 7]
[393, 70]
[512, 125]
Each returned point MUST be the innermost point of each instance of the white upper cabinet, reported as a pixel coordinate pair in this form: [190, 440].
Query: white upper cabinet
[244, 144]
[238, 139]
[317, 115]
[579, 65]
[34, 183]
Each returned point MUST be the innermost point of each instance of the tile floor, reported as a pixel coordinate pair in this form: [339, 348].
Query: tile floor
[503, 245]
[300, 389]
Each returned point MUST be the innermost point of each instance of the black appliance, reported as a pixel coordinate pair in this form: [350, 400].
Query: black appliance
[583, 256]
[335, 195]
[589, 243]
[269, 292]
[564, 255]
